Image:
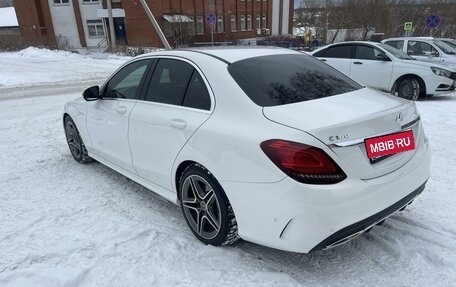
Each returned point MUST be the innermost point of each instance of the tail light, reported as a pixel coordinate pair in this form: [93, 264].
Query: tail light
[303, 163]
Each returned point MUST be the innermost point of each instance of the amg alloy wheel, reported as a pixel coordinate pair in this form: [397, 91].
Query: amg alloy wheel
[75, 143]
[206, 208]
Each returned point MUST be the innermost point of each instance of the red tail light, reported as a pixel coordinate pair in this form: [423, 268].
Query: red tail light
[303, 163]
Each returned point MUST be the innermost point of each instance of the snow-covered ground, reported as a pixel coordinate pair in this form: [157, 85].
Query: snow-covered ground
[66, 224]
[34, 66]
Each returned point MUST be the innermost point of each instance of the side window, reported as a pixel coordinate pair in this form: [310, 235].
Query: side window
[417, 48]
[197, 95]
[399, 44]
[125, 84]
[367, 53]
[340, 51]
[169, 82]
[320, 53]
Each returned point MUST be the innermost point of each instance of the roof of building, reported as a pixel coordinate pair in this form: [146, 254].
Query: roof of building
[8, 17]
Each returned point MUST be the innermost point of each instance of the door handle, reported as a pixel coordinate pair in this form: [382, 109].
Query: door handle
[357, 63]
[178, 123]
[121, 109]
[323, 60]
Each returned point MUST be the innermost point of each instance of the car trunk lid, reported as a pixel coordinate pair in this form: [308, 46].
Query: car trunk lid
[342, 122]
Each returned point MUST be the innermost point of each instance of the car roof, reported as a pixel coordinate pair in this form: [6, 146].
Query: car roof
[428, 39]
[227, 54]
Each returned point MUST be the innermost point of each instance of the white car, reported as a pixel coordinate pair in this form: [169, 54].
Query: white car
[426, 49]
[269, 145]
[385, 68]
[448, 41]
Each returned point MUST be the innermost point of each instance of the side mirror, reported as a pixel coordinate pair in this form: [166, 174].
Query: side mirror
[383, 57]
[92, 93]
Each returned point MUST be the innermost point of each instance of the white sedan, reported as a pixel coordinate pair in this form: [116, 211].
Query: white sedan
[383, 67]
[269, 145]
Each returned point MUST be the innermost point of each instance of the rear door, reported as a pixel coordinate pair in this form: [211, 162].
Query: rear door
[176, 103]
[338, 56]
[107, 118]
[368, 69]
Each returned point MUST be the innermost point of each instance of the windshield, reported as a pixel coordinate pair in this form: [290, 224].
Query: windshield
[447, 49]
[395, 52]
[449, 42]
[288, 78]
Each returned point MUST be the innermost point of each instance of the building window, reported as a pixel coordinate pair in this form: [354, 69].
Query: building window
[90, 1]
[242, 22]
[220, 24]
[199, 25]
[233, 23]
[263, 24]
[249, 22]
[258, 21]
[95, 28]
[61, 1]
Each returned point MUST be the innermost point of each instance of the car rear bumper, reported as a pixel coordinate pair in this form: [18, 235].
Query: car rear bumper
[295, 217]
[350, 232]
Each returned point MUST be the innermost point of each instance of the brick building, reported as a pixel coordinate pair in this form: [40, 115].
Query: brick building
[185, 22]
[83, 23]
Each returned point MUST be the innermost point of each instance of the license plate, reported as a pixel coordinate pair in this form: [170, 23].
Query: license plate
[389, 144]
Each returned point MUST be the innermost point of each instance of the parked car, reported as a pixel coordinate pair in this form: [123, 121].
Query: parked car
[426, 49]
[448, 41]
[265, 144]
[388, 69]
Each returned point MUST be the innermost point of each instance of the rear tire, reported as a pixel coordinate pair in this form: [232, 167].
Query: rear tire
[409, 89]
[206, 208]
[75, 143]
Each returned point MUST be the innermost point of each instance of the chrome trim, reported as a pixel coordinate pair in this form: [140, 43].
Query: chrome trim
[356, 234]
[361, 140]
[406, 126]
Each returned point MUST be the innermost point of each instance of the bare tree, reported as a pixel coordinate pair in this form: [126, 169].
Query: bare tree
[386, 16]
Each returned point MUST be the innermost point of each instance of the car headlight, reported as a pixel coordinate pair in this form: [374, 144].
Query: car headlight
[441, 72]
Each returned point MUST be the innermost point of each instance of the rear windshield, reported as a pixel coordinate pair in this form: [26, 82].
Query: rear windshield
[290, 78]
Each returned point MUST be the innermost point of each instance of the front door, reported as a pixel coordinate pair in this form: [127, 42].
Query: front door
[369, 70]
[107, 118]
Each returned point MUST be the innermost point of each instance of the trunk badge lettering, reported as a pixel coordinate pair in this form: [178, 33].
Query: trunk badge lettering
[339, 137]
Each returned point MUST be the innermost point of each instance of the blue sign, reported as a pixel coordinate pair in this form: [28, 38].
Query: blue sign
[210, 18]
[432, 21]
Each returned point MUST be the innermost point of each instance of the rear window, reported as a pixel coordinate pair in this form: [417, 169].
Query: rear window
[291, 78]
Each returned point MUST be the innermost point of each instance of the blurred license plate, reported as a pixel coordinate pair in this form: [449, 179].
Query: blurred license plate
[389, 144]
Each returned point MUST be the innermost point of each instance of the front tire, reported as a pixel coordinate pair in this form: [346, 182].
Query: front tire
[75, 143]
[206, 208]
[409, 89]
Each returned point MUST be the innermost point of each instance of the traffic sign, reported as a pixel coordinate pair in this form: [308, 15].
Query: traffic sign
[432, 21]
[407, 26]
[210, 18]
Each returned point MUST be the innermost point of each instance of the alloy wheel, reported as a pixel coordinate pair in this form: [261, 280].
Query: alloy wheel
[201, 206]
[73, 139]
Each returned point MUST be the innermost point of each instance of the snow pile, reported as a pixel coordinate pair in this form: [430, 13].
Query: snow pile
[34, 66]
[33, 52]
